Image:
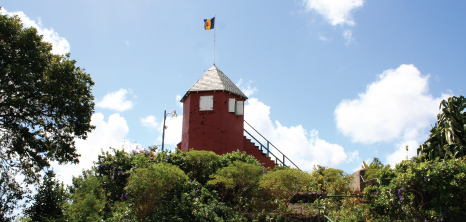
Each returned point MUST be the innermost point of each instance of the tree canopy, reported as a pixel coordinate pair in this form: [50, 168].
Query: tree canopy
[45, 103]
[448, 136]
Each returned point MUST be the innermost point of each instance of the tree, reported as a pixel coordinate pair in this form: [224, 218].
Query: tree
[448, 136]
[45, 103]
[330, 180]
[418, 190]
[372, 171]
[283, 184]
[235, 181]
[49, 200]
[147, 187]
[87, 199]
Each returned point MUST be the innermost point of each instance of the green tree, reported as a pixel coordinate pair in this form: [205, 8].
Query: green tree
[87, 199]
[147, 187]
[10, 193]
[283, 184]
[113, 170]
[49, 200]
[200, 164]
[448, 136]
[45, 103]
[229, 158]
[432, 190]
[372, 171]
[330, 180]
[237, 181]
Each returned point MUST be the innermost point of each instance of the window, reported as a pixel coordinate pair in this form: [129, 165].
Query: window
[239, 108]
[235, 107]
[206, 103]
[232, 105]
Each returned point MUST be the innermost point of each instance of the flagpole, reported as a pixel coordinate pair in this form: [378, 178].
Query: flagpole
[215, 29]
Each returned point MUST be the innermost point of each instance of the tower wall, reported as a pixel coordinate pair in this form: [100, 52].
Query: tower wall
[216, 130]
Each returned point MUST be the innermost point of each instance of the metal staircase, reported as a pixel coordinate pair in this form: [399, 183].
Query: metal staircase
[280, 159]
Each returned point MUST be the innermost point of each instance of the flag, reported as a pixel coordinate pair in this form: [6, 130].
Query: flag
[209, 23]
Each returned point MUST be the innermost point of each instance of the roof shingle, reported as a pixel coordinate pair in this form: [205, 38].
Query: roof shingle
[214, 80]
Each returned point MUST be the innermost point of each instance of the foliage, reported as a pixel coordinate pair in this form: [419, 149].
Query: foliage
[148, 186]
[237, 181]
[420, 190]
[238, 156]
[45, 103]
[283, 184]
[448, 136]
[372, 171]
[199, 165]
[87, 199]
[121, 211]
[49, 200]
[10, 193]
[330, 180]
[345, 209]
[192, 202]
[113, 171]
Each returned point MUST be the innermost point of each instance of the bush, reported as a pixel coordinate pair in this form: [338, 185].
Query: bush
[48, 201]
[87, 199]
[283, 184]
[416, 190]
[199, 165]
[148, 186]
[236, 182]
[229, 158]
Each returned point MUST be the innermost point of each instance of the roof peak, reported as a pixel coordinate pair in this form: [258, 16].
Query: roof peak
[215, 80]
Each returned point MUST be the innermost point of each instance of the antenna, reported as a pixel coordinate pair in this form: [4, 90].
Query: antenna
[215, 30]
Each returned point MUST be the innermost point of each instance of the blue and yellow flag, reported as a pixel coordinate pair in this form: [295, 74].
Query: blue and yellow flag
[209, 23]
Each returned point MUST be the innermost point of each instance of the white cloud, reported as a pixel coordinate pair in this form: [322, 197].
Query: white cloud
[395, 108]
[348, 35]
[172, 131]
[337, 12]
[323, 38]
[401, 153]
[107, 134]
[150, 122]
[247, 88]
[116, 101]
[178, 99]
[60, 44]
[354, 157]
[397, 105]
[303, 147]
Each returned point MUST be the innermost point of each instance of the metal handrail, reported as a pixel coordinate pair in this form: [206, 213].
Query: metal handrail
[268, 147]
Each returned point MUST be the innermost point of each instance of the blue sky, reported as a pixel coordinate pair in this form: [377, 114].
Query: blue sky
[330, 82]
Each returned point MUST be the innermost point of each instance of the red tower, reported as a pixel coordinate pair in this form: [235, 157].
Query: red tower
[213, 117]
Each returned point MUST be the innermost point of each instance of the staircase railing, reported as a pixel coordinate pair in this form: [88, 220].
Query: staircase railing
[267, 148]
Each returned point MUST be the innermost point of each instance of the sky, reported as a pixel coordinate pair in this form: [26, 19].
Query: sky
[330, 82]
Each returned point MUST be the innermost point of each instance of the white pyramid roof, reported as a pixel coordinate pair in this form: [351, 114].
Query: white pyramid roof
[214, 80]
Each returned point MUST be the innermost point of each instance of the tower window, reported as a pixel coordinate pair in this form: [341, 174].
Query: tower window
[236, 107]
[231, 105]
[206, 103]
[239, 108]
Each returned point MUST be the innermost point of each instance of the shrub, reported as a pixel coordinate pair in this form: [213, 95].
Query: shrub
[199, 165]
[229, 158]
[236, 181]
[87, 199]
[416, 190]
[148, 186]
[283, 184]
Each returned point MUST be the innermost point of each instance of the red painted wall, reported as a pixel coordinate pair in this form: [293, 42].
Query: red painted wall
[216, 130]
